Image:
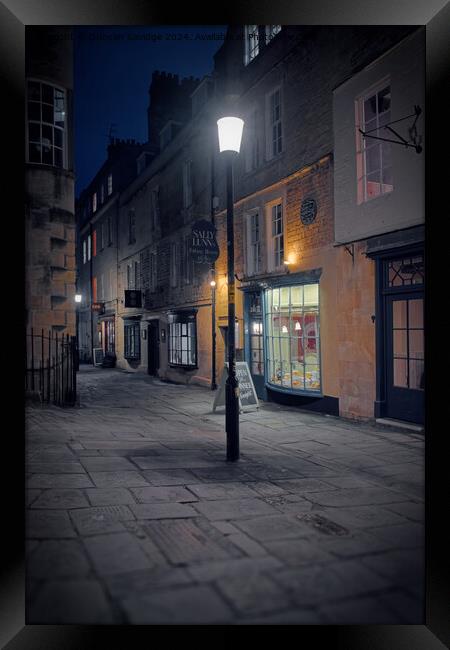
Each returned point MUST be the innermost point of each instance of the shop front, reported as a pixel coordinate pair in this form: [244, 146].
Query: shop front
[282, 338]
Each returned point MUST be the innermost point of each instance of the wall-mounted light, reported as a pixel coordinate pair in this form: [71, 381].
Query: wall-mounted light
[286, 264]
[213, 283]
[78, 297]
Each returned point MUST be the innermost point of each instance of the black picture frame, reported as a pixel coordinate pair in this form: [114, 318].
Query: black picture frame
[15, 15]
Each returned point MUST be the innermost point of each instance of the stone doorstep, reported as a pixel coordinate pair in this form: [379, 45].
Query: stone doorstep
[400, 424]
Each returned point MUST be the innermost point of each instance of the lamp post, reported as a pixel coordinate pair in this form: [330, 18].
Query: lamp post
[213, 331]
[230, 134]
[78, 299]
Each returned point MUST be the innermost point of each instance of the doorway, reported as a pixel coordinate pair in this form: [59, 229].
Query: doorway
[153, 347]
[400, 357]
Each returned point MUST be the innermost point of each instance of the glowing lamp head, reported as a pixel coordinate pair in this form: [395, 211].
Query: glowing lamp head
[298, 327]
[78, 297]
[284, 329]
[213, 283]
[230, 133]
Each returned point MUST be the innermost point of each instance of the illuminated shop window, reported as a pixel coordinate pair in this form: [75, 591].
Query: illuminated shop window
[292, 337]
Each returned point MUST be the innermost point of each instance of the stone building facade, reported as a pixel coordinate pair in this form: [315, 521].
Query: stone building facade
[49, 183]
[305, 298]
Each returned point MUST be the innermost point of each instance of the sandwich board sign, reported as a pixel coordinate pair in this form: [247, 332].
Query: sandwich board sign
[247, 393]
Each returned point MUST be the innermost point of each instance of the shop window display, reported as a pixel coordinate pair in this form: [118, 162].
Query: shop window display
[292, 337]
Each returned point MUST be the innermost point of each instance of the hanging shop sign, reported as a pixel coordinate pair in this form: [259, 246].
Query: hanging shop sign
[308, 211]
[247, 394]
[133, 298]
[98, 306]
[204, 248]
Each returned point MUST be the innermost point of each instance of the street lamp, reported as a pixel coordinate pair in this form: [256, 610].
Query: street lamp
[78, 299]
[230, 134]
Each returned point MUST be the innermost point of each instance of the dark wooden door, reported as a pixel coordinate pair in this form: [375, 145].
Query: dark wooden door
[153, 347]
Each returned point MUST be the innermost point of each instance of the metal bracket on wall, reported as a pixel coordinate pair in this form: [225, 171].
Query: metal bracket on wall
[351, 251]
[416, 139]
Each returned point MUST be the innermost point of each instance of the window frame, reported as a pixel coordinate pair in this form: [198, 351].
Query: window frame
[175, 333]
[250, 53]
[362, 146]
[110, 184]
[251, 267]
[270, 33]
[271, 261]
[269, 334]
[271, 124]
[132, 340]
[41, 123]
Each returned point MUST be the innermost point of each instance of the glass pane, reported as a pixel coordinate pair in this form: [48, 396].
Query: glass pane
[47, 113]
[34, 132]
[47, 135]
[399, 314]
[275, 324]
[311, 292]
[373, 184]
[285, 297]
[384, 99]
[312, 377]
[373, 161]
[58, 157]
[276, 299]
[416, 347]
[387, 179]
[298, 372]
[416, 374]
[47, 155]
[60, 114]
[370, 110]
[401, 373]
[58, 137]
[415, 313]
[297, 296]
[34, 90]
[34, 153]
[400, 343]
[47, 94]
[310, 324]
[296, 324]
[34, 111]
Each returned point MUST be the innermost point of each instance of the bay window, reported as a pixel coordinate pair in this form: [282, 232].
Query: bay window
[46, 116]
[292, 337]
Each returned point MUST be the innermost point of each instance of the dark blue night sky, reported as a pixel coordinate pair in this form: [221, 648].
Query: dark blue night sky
[113, 69]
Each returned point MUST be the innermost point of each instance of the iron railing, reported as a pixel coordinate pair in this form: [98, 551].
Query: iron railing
[51, 364]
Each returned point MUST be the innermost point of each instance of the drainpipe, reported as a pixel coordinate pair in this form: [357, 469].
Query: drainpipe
[91, 261]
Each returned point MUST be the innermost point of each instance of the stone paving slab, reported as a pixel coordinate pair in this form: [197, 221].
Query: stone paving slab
[161, 494]
[192, 605]
[109, 496]
[117, 479]
[233, 508]
[57, 559]
[166, 510]
[60, 499]
[169, 477]
[100, 464]
[80, 602]
[48, 524]
[314, 585]
[116, 553]
[57, 467]
[59, 481]
[100, 519]
[227, 490]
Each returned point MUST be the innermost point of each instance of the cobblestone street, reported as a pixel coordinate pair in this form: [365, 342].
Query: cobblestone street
[135, 517]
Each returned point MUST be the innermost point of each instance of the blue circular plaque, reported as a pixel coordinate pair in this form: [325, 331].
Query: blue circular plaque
[308, 211]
